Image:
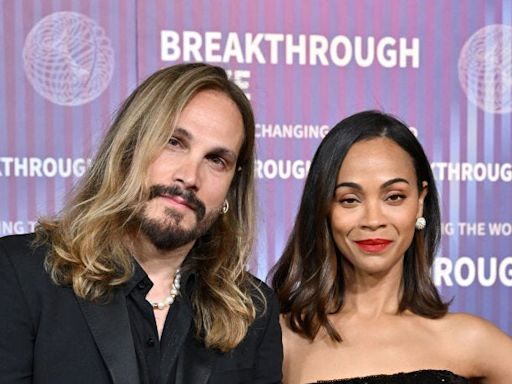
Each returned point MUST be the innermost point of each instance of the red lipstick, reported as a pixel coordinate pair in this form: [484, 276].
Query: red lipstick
[373, 245]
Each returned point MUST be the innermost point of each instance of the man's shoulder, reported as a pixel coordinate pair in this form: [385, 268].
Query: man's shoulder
[22, 269]
[17, 241]
[260, 285]
[264, 298]
[22, 252]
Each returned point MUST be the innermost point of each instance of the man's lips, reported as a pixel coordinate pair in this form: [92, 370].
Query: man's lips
[373, 245]
[178, 197]
[178, 200]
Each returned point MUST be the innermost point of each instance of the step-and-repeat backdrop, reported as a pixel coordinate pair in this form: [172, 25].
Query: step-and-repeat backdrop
[445, 67]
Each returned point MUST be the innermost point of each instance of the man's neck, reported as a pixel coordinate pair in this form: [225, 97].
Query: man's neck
[160, 265]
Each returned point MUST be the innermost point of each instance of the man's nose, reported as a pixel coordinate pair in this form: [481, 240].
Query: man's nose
[187, 173]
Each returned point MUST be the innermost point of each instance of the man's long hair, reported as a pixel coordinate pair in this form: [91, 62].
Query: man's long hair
[88, 247]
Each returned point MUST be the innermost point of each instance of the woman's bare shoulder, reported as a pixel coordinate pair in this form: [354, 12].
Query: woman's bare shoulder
[291, 337]
[484, 346]
[470, 326]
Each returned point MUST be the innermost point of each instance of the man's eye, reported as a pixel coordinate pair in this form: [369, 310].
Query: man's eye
[217, 161]
[174, 142]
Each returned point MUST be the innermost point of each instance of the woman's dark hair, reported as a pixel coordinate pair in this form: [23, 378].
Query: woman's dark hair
[309, 278]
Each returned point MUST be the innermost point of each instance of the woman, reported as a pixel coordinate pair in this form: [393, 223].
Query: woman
[357, 300]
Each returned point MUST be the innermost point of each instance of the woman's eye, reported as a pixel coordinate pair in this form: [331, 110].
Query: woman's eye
[348, 201]
[396, 197]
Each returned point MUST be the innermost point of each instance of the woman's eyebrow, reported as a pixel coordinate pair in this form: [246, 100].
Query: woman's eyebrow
[352, 185]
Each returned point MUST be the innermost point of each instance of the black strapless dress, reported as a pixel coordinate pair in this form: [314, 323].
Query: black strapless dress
[427, 376]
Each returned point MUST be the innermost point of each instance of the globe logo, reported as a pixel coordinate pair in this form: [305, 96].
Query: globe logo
[68, 59]
[485, 68]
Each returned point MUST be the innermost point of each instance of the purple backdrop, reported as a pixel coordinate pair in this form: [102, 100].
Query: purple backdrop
[445, 67]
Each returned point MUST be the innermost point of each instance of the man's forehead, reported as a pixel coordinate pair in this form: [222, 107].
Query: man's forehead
[212, 118]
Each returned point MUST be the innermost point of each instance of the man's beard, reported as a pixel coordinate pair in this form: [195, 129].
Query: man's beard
[167, 234]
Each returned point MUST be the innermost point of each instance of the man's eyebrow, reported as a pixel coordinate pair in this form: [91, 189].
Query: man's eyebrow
[183, 132]
[219, 151]
[385, 185]
[226, 153]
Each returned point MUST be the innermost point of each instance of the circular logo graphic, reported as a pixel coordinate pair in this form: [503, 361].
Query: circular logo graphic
[68, 59]
[485, 68]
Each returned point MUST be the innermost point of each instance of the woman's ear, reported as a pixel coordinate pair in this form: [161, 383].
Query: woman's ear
[421, 197]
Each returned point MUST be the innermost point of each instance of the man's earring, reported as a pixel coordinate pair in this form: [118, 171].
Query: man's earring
[420, 223]
[225, 207]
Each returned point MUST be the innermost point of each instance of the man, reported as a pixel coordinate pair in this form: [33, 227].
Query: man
[142, 277]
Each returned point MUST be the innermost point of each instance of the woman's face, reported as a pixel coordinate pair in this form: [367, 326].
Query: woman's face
[375, 206]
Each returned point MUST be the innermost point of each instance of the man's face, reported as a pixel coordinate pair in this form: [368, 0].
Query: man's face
[192, 175]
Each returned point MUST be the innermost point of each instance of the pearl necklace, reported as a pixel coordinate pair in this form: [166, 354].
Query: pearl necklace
[175, 290]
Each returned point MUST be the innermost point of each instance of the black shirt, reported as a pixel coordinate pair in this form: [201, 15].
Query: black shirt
[157, 358]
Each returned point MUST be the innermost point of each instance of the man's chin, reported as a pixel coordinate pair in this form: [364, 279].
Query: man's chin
[174, 231]
[170, 237]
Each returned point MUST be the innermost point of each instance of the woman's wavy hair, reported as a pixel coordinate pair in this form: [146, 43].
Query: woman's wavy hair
[309, 277]
[87, 239]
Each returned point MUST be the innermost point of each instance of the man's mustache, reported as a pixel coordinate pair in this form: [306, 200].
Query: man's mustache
[174, 190]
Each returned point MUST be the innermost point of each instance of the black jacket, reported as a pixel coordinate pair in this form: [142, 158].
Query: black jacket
[48, 335]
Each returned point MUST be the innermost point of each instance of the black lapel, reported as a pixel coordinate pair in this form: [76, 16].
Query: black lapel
[195, 363]
[110, 327]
